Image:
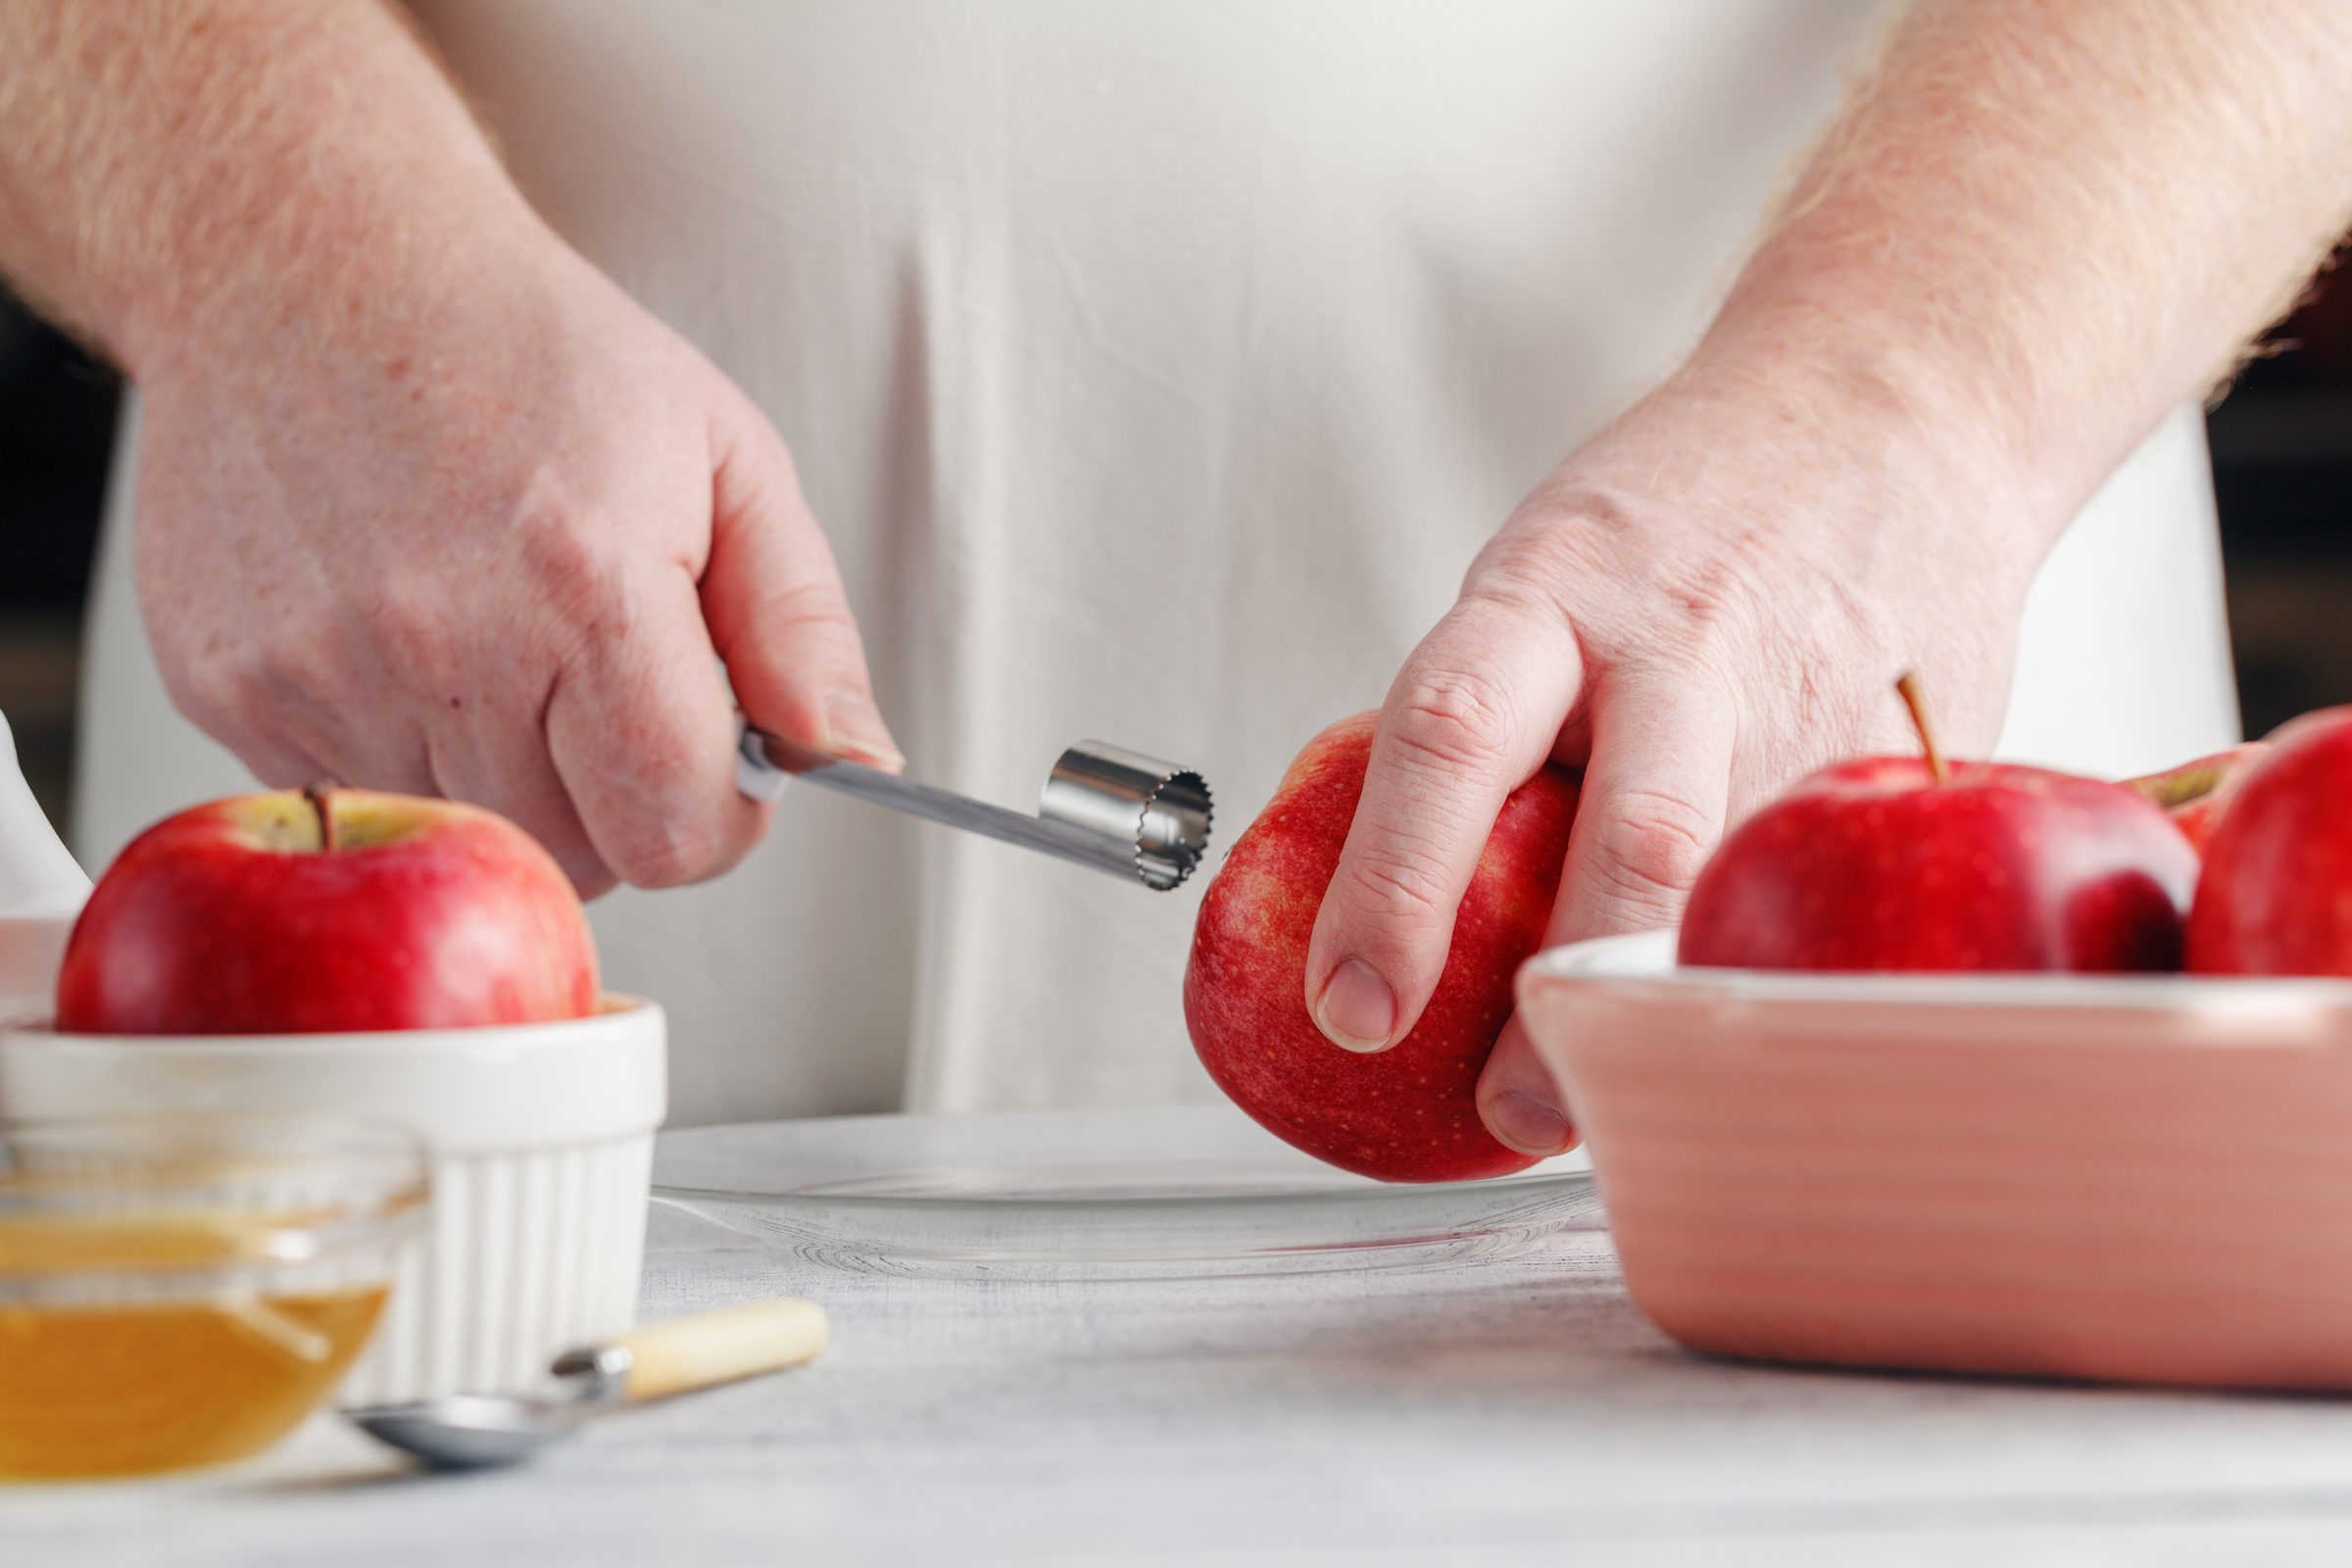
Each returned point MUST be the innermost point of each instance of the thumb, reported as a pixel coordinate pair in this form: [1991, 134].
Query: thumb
[773, 601]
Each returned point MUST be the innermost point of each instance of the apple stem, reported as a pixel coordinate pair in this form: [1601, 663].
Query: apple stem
[1907, 685]
[316, 794]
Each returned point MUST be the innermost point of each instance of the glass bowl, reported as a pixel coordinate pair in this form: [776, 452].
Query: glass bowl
[540, 1136]
[179, 1292]
[1179, 1192]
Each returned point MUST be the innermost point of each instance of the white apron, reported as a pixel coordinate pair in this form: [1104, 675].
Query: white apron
[1157, 370]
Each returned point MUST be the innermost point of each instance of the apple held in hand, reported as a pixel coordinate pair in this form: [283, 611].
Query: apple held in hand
[2194, 794]
[1904, 864]
[2277, 893]
[1407, 1113]
[327, 912]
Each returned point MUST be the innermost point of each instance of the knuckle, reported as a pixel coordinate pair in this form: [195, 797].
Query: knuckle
[1536, 566]
[576, 575]
[1395, 888]
[668, 852]
[1706, 611]
[668, 815]
[409, 638]
[217, 672]
[1650, 850]
[295, 666]
[590, 877]
[210, 689]
[807, 610]
[1456, 721]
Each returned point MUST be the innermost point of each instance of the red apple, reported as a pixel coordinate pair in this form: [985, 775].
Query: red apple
[341, 909]
[2194, 794]
[1406, 1114]
[1899, 863]
[2277, 893]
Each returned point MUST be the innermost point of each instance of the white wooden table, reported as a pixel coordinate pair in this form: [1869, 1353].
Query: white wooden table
[1514, 1411]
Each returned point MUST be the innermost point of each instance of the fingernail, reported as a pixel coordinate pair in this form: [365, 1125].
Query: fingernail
[1357, 1009]
[853, 729]
[1527, 1124]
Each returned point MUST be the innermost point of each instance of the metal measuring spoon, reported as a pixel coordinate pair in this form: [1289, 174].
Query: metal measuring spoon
[475, 1431]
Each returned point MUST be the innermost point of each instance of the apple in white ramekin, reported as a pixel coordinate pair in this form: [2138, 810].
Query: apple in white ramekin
[416, 962]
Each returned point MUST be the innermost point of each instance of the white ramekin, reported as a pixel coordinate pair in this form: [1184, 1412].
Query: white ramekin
[541, 1137]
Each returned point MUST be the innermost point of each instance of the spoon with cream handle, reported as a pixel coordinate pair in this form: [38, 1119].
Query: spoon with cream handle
[476, 1430]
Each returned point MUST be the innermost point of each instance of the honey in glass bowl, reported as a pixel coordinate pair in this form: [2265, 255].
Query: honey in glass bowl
[183, 1293]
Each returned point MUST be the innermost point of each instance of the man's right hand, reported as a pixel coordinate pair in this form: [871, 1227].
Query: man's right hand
[425, 502]
[482, 537]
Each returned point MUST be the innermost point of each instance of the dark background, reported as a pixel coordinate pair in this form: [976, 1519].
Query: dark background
[2282, 471]
[2282, 460]
[56, 422]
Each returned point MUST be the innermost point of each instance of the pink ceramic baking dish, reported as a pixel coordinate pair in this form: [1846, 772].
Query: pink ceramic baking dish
[2133, 1179]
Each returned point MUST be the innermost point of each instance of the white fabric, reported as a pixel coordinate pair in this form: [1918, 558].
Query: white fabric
[1158, 370]
[37, 877]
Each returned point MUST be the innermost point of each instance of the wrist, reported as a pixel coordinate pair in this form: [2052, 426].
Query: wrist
[348, 276]
[2013, 402]
[1888, 425]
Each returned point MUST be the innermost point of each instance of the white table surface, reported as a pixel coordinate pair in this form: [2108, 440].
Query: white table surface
[1514, 1410]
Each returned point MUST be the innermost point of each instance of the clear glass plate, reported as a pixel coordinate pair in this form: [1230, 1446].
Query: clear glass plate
[1189, 1192]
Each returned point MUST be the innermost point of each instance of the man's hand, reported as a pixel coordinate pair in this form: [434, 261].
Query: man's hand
[1712, 598]
[2038, 225]
[486, 546]
[425, 502]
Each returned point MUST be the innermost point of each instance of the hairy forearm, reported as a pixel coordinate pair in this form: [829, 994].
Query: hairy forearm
[168, 167]
[2038, 224]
